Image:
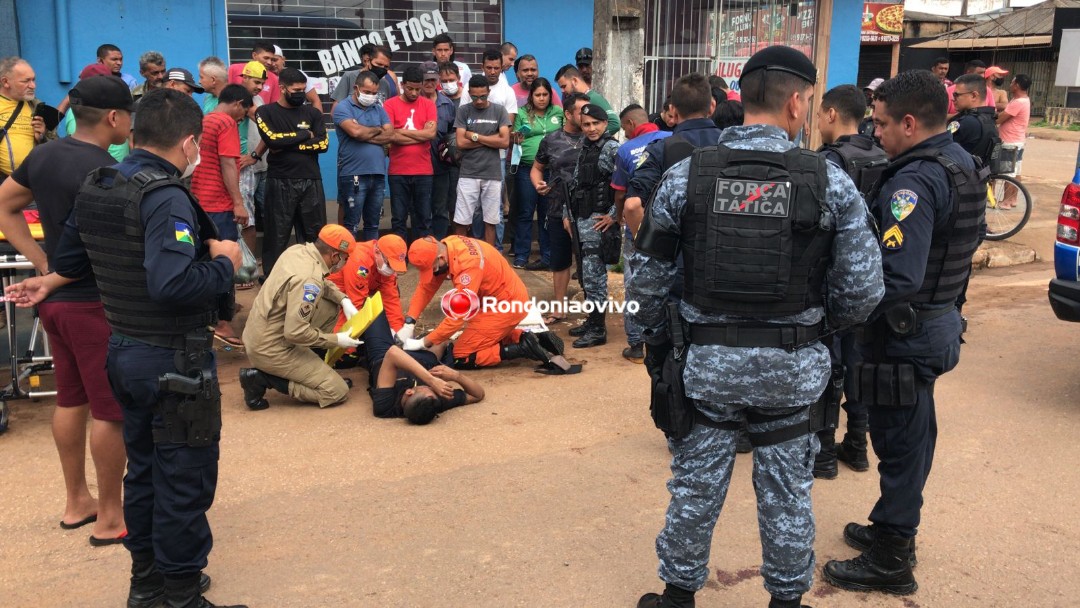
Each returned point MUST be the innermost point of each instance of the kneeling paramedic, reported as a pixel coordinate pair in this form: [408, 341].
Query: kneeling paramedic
[929, 206]
[295, 311]
[744, 343]
[165, 279]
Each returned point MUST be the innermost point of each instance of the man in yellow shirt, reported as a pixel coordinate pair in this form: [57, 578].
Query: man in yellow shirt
[20, 130]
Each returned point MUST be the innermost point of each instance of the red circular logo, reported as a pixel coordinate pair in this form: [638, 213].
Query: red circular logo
[460, 304]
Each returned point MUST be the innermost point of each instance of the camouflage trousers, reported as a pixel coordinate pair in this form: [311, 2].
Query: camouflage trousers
[593, 269]
[701, 469]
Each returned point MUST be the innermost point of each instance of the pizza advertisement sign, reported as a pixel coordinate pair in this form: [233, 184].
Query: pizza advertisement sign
[882, 23]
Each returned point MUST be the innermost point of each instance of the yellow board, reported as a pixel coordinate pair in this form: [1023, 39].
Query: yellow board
[357, 325]
[35, 231]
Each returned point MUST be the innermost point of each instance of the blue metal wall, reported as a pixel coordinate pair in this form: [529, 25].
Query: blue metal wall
[844, 43]
[552, 32]
[184, 32]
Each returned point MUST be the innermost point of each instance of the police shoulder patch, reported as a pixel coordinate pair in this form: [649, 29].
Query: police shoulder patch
[465, 279]
[893, 238]
[903, 203]
[641, 160]
[183, 233]
[362, 272]
[311, 291]
[953, 126]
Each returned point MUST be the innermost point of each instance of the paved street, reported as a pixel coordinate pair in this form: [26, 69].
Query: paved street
[551, 491]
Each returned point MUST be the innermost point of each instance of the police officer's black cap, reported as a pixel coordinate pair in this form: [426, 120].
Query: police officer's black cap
[102, 92]
[781, 59]
[594, 111]
[584, 56]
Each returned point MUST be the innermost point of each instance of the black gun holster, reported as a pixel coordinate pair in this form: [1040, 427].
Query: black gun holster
[879, 381]
[825, 412]
[672, 412]
[190, 401]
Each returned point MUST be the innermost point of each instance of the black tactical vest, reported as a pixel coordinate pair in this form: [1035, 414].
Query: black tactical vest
[951, 247]
[863, 160]
[592, 189]
[111, 228]
[989, 140]
[756, 232]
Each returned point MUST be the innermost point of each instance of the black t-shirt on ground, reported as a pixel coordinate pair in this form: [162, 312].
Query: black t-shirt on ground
[386, 402]
[54, 172]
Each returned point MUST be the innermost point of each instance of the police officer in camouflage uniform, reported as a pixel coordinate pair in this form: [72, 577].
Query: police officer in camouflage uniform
[590, 215]
[753, 328]
[929, 207]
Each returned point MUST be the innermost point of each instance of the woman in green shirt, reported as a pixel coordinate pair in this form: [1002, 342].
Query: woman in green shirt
[533, 121]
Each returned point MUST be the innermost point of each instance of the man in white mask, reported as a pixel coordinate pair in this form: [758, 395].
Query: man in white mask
[295, 312]
[362, 128]
[373, 267]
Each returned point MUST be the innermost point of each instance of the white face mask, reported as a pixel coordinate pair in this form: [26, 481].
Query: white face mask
[366, 100]
[450, 88]
[384, 269]
[192, 164]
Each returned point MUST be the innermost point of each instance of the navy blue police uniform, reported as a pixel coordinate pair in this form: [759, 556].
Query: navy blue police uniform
[928, 212]
[160, 305]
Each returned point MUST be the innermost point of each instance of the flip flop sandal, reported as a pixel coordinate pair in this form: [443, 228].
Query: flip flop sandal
[105, 542]
[552, 320]
[229, 342]
[89, 519]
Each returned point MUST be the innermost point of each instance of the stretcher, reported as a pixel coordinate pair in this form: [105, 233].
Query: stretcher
[28, 367]
[359, 322]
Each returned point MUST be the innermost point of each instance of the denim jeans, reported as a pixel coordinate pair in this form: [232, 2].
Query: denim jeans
[410, 197]
[529, 202]
[361, 196]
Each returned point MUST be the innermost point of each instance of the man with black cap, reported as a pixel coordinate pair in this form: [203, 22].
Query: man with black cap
[181, 80]
[73, 316]
[798, 231]
[928, 206]
[590, 216]
[164, 279]
[583, 58]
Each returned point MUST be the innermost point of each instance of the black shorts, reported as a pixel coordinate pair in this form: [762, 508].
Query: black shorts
[562, 247]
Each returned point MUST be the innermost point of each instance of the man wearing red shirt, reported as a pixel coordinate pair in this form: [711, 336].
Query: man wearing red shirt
[372, 268]
[414, 120]
[263, 52]
[216, 180]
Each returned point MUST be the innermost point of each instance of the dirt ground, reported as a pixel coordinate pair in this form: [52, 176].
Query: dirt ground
[551, 491]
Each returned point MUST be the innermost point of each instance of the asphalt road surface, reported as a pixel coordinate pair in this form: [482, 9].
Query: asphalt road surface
[551, 491]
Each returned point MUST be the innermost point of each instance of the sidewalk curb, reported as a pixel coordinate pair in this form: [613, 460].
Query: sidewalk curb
[1001, 254]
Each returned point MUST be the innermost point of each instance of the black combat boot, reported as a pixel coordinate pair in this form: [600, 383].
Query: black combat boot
[852, 451]
[551, 342]
[527, 347]
[825, 461]
[596, 334]
[779, 603]
[858, 536]
[673, 597]
[255, 383]
[187, 593]
[148, 585]
[885, 567]
[578, 331]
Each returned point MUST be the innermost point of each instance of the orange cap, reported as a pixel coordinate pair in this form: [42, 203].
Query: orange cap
[392, 247]
[337, 237]
[422, 254]
[994, 71]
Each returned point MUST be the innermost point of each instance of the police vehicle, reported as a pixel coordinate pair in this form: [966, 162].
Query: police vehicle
[1065, 288]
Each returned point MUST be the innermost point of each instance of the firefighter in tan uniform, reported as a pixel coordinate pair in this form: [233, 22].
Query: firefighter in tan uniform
[295, 311]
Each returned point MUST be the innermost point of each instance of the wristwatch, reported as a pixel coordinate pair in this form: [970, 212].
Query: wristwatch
[475, 137]
[256, 156]
[410, 321]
